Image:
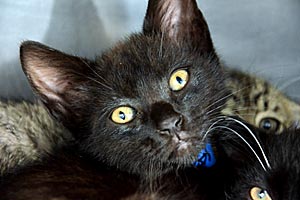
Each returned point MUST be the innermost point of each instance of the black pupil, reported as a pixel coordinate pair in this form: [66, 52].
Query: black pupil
[267, 125]
[262, 194]
[122, 115]
[179, 80]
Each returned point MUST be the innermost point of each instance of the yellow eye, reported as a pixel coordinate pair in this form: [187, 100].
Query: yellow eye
[257, 193]
[178, 79]
[123, 115]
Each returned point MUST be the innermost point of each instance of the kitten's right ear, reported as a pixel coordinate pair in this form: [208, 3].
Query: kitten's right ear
[57, 78]
[180, 21]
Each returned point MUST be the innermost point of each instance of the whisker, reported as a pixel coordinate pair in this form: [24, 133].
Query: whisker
[161, 45]
[210, 128]
[245, 108]
[248, 115]
[288, 83]
[96, 81]
[226, 96]
[267, 68]
[213, 110]
[254, 137]
[223, 118]
[245, 141]
[98, 75]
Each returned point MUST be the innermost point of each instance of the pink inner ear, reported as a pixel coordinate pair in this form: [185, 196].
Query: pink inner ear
[171, 14]
[183, 19]
[55, 77]
[179, 20]
[49, 82]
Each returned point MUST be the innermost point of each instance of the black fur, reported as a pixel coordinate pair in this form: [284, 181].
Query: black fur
[82, 94]
[68, 176]
[281, 181]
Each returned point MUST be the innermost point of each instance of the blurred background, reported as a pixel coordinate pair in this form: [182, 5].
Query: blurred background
[258, 36]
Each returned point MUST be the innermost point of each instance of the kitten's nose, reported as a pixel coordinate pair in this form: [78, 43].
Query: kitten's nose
[166, 119]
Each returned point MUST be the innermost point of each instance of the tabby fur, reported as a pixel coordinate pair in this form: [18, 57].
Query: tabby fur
[260, 104]
[27, 132]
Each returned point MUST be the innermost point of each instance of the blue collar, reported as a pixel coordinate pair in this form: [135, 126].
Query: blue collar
[206, 157]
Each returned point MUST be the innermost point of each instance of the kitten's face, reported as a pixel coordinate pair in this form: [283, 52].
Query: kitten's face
[145, 105]
[158, 107]
[279, 181]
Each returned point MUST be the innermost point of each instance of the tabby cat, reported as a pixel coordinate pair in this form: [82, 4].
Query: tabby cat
[27, 133]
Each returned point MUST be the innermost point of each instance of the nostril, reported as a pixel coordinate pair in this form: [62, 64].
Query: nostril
[179, 122]
[164, 132]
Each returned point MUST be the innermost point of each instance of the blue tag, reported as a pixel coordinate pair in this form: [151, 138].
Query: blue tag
[206, 157]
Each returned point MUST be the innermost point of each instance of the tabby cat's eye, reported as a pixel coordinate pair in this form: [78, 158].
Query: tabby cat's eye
[269, 125]
[123, 115]
[178, 79]
[256, 193]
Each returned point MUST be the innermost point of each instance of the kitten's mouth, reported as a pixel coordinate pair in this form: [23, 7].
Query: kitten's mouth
[184, 144]
[182, 148]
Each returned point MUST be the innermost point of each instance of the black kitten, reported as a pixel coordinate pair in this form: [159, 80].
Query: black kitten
[270, 171]
[140, 110]
[144, 105]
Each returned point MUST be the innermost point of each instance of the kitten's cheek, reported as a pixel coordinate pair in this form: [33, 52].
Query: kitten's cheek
[148, 143]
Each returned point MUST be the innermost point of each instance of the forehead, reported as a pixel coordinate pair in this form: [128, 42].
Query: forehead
[141, 61]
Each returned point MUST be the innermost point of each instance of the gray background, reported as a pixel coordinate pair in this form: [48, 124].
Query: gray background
[259, 36]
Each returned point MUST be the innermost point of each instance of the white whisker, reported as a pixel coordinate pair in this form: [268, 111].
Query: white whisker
[161, 45]
[254, 137]
[288, 83]
[225, 97]
[214, 109]
[98, 75]
[211, 126]
[245, 141]
[96, 81]
[222, 118]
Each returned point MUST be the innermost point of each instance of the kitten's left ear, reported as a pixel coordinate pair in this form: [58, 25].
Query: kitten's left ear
[58, 79]
[179, 20]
